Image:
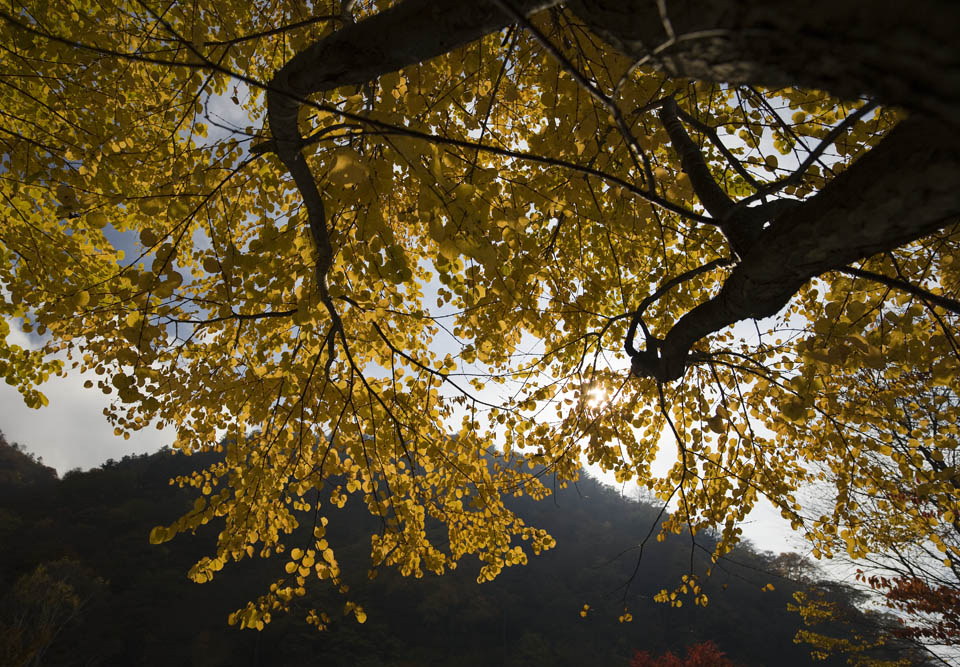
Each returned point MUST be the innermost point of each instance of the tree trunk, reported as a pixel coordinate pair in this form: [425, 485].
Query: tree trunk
[903, 53]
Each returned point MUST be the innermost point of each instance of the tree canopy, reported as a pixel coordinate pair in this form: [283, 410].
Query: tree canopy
[444, 229]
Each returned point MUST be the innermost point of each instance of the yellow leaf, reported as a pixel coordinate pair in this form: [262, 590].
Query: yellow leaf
[347, 169]
[81, 298]
[158, 535]
[97, 220]
[148, 238]
[794, 410]
[717, 424]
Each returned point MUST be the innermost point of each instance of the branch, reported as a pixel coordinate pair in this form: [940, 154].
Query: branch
[636, 151]
[407, 33]
[272, 31]
[711, 133]
[740, 226]
[797, 175]
[663, 289]
[387, 129]
[711, 195]
[937, 299]
[239, 316]
[867, 209]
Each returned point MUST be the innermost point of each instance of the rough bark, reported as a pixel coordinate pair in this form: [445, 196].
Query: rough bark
[902, 190]
[903, 53]
[899, 52]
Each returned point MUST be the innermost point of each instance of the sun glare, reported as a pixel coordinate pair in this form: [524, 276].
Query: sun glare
[597, 396]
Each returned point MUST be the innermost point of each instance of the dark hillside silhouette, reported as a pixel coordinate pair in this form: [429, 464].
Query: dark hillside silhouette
[146, 612]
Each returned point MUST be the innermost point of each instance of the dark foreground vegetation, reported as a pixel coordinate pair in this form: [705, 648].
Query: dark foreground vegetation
[81, 585]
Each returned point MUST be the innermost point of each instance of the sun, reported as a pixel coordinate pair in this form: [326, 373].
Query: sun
[597, 396]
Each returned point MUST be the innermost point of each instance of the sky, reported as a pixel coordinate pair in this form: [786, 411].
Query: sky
[71, 432]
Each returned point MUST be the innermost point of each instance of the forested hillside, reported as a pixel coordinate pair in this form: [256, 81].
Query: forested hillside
[125, 602]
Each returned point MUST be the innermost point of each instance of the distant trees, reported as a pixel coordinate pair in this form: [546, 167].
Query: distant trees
[932, 611]
[39, 605]
[842, 620]
[150, 611]
[704, 654]
[19, 467]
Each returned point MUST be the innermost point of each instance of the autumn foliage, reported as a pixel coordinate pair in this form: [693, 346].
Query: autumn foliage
[413, 254]
[704, 654]
[932, 613]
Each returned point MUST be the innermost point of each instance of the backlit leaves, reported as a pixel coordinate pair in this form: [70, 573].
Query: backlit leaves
[493, 230]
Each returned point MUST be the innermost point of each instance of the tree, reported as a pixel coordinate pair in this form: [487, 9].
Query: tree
[841, 620]
[900, 531]
[39, 605]
[703, 654]
[835, 624]
[447, 226]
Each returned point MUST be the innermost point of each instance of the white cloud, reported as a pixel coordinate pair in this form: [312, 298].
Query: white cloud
[71, 432]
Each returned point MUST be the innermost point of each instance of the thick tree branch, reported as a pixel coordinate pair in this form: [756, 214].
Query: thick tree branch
[846, 48]
[637, 318]
[410, 32]
[711, 195]
[741, 225]
[867, 209]
[892, 50]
